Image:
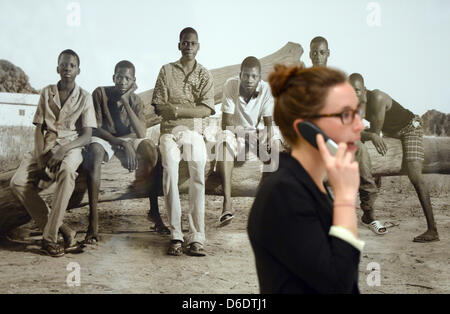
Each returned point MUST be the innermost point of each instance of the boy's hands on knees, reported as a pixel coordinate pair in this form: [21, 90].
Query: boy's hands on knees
[130, 155]
[43, 159]
[379, 144]
[55, 160]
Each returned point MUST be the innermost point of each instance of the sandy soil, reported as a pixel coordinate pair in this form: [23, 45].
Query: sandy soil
[131, 258]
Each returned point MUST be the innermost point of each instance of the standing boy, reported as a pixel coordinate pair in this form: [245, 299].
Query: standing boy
[393, 120]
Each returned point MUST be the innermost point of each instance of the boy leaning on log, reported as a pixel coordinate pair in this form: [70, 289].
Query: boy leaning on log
[121, 130]
[247, 108]
[388, 116]
[183, 95]
[64, 120]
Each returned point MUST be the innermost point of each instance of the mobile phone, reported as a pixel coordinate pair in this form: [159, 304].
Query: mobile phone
[309, 131]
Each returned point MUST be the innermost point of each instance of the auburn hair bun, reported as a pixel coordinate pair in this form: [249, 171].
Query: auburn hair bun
[279, 78]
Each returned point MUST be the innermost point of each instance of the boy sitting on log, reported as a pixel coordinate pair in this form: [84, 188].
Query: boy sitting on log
[388, 116]
[64, 120]
[121, 130]
[247, 104]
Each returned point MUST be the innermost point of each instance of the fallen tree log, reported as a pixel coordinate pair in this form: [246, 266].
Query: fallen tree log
[118, 184]
[437, 157]
[288, 55]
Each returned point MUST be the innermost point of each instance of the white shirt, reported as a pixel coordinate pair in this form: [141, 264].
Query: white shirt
[249, 115]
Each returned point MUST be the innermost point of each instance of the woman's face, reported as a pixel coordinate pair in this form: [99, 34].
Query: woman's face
[340, 98]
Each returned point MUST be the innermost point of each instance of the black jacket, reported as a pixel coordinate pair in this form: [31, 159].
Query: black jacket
[288, 229]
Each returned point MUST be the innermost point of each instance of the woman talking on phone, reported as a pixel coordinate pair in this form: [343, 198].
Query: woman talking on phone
[304, 240]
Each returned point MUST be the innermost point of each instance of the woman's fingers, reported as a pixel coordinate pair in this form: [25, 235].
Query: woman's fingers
[342, 148]
[326, 156]
[348, 158]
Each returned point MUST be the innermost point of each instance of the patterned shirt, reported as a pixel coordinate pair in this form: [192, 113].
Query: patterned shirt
[187, 90]
[64, 123]
[111, 113]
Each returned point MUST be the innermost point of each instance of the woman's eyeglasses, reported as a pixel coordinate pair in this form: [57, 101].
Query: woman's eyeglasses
[347, 116]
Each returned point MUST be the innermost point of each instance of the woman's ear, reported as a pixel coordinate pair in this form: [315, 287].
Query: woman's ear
[294, 125]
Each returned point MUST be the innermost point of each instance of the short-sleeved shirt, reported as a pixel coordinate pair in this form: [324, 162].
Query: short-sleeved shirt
[64, 123]
[111, 113]
[249, 115]
[187, 90]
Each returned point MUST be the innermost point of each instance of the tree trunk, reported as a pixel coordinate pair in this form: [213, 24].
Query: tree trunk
[118, 184]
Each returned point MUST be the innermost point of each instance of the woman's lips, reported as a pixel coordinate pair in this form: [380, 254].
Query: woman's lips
[351, 146]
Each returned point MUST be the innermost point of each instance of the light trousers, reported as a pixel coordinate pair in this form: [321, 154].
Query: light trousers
[189, 146]
[23, 186]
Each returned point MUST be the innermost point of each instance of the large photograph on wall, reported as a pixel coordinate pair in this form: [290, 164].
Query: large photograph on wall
[136, 138]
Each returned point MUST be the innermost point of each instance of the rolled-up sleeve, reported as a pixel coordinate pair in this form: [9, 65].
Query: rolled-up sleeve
[267, 110]
[229, 89]
[97, 101]
[39, 114]
[206, 96]
[88, 119]
[160, 94]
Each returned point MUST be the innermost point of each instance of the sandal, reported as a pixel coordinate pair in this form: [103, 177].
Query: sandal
[52, 249]
[175, 248]
[196, 249]
[91, 239]
[225, 218]
[376, 227]
[75, 249]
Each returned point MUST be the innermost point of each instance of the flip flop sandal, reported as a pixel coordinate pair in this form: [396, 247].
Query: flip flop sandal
[376, 227]
[91, 240]
[196, 249]
[225, 219]
[175, 248]
[75, 249]
[389, 224]
[52, 249]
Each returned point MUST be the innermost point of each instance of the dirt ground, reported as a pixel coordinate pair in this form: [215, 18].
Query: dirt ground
[131, 258]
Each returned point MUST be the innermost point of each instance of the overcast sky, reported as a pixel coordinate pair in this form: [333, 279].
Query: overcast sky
[401, 47]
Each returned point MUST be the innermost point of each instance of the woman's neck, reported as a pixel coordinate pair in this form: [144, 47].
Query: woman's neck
[311, 160]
